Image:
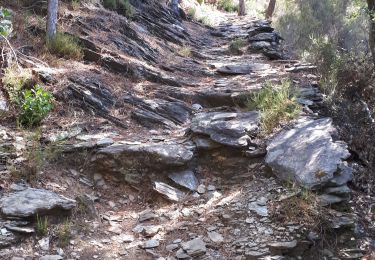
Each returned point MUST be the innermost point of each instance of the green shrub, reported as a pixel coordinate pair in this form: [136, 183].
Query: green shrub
[123, 7]
[236, 45]
[64, 45]
[276, 104]
[227, 5]
[34, 105]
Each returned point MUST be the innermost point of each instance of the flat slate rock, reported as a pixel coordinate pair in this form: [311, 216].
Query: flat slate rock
[185, 179]
[168, 191]
[226, 128]
[307, 154]
[30, 201]
[167, 113]
[195, 247]
[140, 155]
[266, 36]
[238, 69]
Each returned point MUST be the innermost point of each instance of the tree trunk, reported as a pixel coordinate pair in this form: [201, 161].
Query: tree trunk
[241, 8]
[371, 38]
[53, 7]
[270, 9]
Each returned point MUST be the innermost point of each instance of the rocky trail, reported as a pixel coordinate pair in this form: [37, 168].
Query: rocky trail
[175, 166]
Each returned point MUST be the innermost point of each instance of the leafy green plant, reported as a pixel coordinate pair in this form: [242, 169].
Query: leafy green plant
[64, 45]
[41, 225]
[236, 45]
[227, 5]
[5, 22]
[35, 104]
[276, 104]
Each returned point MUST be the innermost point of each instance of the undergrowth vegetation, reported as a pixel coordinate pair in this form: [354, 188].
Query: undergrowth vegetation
[66, 46]
[32, 101]
[227, 5]
[235, 46]
[123, 7]
[64, 233]
[276, 103]
[41, 225]
[14, 81]
[35, 104]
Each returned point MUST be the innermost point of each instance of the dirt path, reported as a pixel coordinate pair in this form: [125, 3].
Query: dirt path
[234, 213]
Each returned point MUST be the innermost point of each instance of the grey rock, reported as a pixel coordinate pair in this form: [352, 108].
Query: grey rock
[215, 237]
[339, 191]
[327, 199]
[17, 258]
[150, 231]
[147, 215]
[155, 155]
[51, 257]
[307, 154]
[125, 238]
[181, 254]
[168, 113]
[60, 136]
[195, 247]
[258, 45]
[4, 107]
[185, 179]
[237, 69]
[152, 243]
[282, 247]
[44, 243]
[171, 247]
[255, 255]
[302, 67]
[25, 230]
[232, 129]
[205, 143]
[168, 191]
[201, 189]
[266, 37]
[196, 107]
[29, 202]
[261, 210]
[87, 206]
[342, 221]
[345, 175]
[8, 239]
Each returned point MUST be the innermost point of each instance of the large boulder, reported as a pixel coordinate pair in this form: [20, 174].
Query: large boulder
[226, 128]
[29, 202]
[309, 156]
[121, 157]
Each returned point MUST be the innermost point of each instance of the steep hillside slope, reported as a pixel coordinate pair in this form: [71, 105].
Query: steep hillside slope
[155, 150]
